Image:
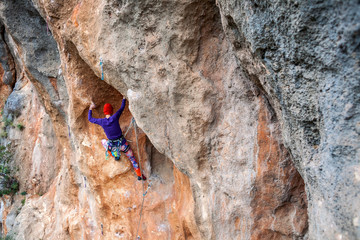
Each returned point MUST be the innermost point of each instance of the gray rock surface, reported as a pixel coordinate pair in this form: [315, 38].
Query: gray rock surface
[34, 50]
[309, 55]
[14, 105]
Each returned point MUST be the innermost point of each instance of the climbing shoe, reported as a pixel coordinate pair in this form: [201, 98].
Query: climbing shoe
[142, 178]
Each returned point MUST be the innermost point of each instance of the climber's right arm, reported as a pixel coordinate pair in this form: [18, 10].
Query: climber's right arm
[91, 119]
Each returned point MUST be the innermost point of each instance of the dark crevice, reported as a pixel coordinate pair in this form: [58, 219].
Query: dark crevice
[10, 61]
[237, 37]
[161, 167]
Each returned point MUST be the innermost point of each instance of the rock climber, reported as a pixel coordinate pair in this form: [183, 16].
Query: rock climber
[116, 140]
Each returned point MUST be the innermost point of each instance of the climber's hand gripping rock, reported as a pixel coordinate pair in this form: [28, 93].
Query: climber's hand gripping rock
[92, 106]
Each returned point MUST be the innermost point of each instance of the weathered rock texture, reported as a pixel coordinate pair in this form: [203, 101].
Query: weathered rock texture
[248, 113]
[308, 55]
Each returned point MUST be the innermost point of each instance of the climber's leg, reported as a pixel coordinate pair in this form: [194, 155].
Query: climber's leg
[129, 153]
[104, 143]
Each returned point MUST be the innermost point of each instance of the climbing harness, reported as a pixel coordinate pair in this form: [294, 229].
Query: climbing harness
[143, 185]
[114, 148]
[102, 71]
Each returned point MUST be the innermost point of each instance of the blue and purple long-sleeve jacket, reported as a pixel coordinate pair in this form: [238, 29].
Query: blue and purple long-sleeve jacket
[110, 125]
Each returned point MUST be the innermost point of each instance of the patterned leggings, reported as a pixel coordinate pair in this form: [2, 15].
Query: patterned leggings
[129, 154]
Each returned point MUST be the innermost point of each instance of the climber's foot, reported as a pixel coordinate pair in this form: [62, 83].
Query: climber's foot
[142, 178]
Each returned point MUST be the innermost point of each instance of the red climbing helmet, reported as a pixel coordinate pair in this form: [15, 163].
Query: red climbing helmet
[108, 109]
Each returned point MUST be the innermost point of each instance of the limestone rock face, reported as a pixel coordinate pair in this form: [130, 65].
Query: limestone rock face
[307, 59]
[246, 110]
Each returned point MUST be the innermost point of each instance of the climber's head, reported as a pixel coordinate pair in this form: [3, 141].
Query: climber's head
[108, 109]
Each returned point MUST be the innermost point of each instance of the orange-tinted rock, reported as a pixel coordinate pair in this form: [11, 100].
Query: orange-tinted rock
[1, 72]
[74, 15]
[279, 205]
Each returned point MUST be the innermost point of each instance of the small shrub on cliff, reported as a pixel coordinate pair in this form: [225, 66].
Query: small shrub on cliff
[14, 186]
[8, 183]
[4, 134]
[4, 169]
[8, 122]
[8, 237]
[5, 157]
[20, 126]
